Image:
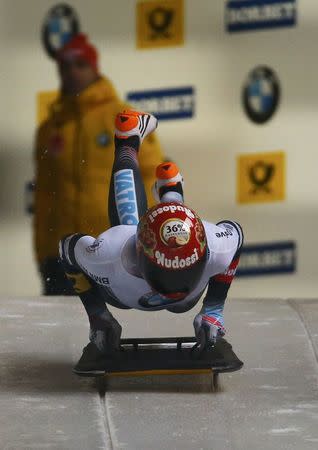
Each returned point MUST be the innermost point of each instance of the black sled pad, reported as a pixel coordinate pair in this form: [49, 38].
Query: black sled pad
[175, 355]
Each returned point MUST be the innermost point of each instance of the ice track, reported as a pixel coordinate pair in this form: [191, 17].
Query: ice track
[272, 403]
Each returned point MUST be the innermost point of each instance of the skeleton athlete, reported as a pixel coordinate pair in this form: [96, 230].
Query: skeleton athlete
[150, 259]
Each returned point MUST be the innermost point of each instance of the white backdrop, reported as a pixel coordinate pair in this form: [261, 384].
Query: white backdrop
[216, 64]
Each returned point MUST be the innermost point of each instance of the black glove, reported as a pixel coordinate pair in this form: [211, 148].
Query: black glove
[105, 332]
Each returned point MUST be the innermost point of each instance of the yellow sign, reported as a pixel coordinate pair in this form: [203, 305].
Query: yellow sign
[261, 177]
[160, 23]
[44, 101]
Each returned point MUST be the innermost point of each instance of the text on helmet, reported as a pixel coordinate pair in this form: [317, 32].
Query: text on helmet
[176, 262]
[173, 209]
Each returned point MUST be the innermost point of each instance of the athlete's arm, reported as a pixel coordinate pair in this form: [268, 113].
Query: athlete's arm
[211, 314]
[73, 249]
[105, 331]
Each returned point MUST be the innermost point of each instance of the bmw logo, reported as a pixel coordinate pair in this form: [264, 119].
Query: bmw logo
[261, 94]
[60, 25]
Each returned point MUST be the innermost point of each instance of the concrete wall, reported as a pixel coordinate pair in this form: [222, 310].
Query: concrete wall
[216, 64]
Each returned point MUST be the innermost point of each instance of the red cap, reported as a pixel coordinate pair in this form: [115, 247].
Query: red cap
[78, 47]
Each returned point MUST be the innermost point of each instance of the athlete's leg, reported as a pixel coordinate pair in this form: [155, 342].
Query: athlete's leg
[127, 197]
[169, 184]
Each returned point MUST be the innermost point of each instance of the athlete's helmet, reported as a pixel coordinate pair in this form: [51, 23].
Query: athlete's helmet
[171, 249]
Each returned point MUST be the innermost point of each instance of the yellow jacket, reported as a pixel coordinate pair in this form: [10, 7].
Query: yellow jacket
[74, 157]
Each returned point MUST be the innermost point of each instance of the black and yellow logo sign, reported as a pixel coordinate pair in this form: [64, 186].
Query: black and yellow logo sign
[160, 23]
[261, 177]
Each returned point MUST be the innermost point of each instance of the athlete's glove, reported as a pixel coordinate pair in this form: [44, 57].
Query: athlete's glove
[105, 332]
[208, 327]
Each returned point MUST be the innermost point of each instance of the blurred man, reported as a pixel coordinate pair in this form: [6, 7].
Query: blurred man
[74, 155]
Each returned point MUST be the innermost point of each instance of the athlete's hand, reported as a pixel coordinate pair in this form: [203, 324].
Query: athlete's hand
[206, 330]
[113, 332]
[105, 332]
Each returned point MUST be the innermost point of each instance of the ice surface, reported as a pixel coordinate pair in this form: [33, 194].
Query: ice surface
[272, 403]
